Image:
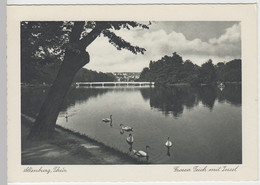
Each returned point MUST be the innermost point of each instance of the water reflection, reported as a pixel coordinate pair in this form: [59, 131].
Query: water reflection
[66, 116]
[232, 94]
[130, 141]
[199, 135]
[168, 100]
[168, 152]
[172, 100]
[108, 123]
[207, 95]
[122, 132]
[33, 97]
[81, 95]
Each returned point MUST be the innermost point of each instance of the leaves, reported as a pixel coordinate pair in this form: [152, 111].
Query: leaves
[46, 42]
[171, 69]
[105, 27]
[120, 43]
[117, 25]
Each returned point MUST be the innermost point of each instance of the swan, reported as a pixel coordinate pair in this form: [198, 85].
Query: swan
[130, 139]
[141, 153]
[107, 119]
[168, 142]
[126, 128]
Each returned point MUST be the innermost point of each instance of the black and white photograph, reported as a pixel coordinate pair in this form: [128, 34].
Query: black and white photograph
[126, 92]
[131, 93]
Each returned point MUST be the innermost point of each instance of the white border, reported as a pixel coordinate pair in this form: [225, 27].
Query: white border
[122, 1]
[3, 135]
[3, 76]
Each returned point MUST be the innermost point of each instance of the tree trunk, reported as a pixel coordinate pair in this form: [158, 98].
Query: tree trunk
[75, 58]
[45, 123]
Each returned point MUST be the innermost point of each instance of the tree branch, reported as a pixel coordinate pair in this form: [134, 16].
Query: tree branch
[120, 43]
[76, 31]
[88, 39]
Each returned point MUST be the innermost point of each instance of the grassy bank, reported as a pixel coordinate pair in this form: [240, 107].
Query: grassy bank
[69, 148]
[114, 149]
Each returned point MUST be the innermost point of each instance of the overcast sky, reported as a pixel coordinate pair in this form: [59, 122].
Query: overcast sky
[196, 41]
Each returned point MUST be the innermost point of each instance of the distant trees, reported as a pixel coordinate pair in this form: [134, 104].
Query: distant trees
[230, 71]
[48, 72]
[85, 75]
[172, 70]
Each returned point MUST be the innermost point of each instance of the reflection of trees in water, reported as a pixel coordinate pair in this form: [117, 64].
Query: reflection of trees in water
[207, 95]
[172, 100]
[32, 98]
[232, 94]
[169, 100]
[81, 95]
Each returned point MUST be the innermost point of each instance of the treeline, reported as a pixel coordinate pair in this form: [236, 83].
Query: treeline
[85, 75]
[173, 70]
[38, 74]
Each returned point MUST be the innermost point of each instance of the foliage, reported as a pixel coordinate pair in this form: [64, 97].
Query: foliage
[172, 70]
[230, 71]
[85, 75]
[66, 43]
[207, 72]
[48, 72]
[44, 45]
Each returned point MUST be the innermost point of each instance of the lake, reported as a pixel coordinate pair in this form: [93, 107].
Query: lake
[204, 123]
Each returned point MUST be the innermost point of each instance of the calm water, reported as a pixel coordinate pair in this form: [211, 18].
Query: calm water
[203, 123]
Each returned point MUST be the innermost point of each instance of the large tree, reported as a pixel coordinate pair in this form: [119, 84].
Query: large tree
[67, 42]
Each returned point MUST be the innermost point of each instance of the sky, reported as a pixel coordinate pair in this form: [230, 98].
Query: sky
[197, 41]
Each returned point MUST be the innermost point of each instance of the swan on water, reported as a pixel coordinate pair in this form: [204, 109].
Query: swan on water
[107, 119]
[130, 139]
[141, 153]
[168, 142]
[126, 128]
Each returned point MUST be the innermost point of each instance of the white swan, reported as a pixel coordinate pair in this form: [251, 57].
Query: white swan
[168, 142]
[126, 128]
[107, 119]
[141, 153]
[130, 139]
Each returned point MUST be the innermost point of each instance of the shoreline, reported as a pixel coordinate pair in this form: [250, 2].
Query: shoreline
[68, 147]
[155, 85]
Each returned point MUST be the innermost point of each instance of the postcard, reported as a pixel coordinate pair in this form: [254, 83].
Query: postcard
[132, 93]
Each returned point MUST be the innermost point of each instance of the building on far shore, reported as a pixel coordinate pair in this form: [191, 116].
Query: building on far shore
[126, 76]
